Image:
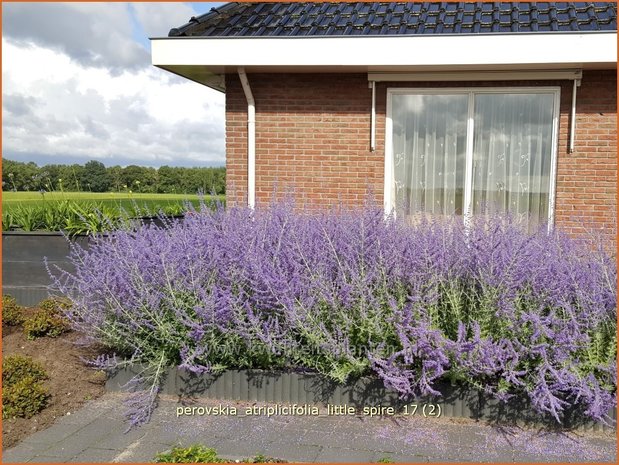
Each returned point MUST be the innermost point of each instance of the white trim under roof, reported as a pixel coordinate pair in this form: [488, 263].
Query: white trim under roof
[221, 54]
[516, 75]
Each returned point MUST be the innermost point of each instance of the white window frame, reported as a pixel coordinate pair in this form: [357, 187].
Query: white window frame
[389, 186]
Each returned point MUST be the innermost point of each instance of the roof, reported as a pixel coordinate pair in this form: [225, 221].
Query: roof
[418, 18]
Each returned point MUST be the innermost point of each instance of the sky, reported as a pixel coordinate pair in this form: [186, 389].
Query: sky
[78, 85]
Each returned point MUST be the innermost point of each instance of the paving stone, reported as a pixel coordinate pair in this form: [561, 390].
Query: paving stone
[358, 441]
[75, 444]
[52, 435]
[96, 434]
[404, 458]
[91, 455]
[291, 452]
[141, 450]
[338, 454]
[16, 457]
[24, 451]
[286, 451]
[119, 439]
[49, 459]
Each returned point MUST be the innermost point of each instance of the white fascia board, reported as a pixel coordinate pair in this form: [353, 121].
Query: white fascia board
[493, 75]
[574, 49]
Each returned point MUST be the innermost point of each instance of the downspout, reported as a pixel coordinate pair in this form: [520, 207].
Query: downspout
[573, 122]
[251, 139]
[373, 118]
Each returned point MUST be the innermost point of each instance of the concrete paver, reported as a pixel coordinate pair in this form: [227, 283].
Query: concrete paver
[96, 434]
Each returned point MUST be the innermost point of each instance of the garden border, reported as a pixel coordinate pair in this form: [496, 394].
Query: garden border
[295, 387]
[24, 275]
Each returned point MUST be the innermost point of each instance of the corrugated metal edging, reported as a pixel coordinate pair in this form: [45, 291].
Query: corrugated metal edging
[310, 388]
[26, 296]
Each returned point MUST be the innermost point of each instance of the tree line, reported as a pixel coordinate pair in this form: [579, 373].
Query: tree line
[94, 176]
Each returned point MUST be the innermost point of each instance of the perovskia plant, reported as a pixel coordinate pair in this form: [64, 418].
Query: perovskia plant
[350, 292]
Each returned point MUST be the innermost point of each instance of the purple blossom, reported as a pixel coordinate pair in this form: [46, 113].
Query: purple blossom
[350, 292]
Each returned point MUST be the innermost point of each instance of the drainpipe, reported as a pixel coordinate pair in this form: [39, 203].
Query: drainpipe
[373, 118]
[573, 122]
[251, 139]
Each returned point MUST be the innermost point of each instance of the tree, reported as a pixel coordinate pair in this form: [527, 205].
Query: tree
[115, 175]
[133, 176]
[95, 177]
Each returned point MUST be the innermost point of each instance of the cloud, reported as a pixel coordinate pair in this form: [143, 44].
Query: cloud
[60, 108]
[92, 34]
[158, 18]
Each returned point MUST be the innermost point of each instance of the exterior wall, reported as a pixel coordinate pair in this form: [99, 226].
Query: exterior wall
[587, 178]
[313, 135]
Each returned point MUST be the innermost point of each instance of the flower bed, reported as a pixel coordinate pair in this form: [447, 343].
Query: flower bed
[351, 293]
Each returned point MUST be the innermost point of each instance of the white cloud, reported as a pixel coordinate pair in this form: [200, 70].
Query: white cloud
[93, 34]
[158, 18]
[59, 107]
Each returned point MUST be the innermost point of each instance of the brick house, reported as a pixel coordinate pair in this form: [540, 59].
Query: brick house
[436, 107]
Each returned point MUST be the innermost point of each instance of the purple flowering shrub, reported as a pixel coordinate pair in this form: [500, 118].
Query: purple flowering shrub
[349, 293]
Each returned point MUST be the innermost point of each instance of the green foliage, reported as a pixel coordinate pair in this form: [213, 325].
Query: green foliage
[79, 215]
[201, 454]
[12, 314]
[263, 459]
[192, 454]
[385, 460]
[55, 304]
[23, 393]
[24, 399]
[95, 177]
[18, 367]
[45, 323]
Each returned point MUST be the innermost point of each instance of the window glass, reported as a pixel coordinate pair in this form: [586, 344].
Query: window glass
[509, 150]
[512, 154]
[429, 143]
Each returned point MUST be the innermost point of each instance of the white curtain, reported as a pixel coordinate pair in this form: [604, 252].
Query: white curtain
[429, 147]
[512, 155]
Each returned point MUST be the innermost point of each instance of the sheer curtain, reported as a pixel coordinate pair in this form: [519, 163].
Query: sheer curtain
[429, 149]
[512, 155]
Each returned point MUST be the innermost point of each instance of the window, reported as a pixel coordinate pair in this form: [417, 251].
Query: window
[483, 150]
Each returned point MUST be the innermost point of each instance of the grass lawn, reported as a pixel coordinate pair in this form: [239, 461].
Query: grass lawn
[126, 200]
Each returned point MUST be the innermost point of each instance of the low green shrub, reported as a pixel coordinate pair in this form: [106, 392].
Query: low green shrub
[192, 454]
[18, 367]
[24, 399]
[263, 459]
[12, 314]
[55, 304]
[201, 454]
[45, 323]
[23, 393]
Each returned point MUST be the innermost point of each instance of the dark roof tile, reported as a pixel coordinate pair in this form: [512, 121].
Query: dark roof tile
[412, 18]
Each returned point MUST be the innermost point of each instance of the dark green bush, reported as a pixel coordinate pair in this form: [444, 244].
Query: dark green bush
[45, 323]
[12, 314]
[17, 367]
[23, 399]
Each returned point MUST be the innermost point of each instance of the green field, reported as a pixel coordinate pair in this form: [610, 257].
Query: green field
[112, 199]
[86, 212]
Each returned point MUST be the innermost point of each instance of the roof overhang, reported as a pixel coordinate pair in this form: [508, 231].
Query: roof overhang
[207, 59]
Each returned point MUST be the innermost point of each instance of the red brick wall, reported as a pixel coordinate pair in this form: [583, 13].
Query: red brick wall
[587, 178]
[313, 135]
